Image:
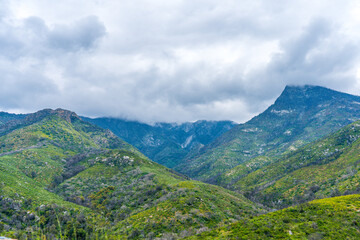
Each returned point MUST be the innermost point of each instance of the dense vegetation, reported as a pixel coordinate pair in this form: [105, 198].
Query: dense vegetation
[232, 176]
[131, 191]
[299, 116]
[332, 163]
[333, 218]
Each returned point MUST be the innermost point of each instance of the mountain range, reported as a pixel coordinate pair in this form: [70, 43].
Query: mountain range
[164, 143]
[63, 176]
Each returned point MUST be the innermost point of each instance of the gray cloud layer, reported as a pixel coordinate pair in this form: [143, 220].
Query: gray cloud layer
[172, 60]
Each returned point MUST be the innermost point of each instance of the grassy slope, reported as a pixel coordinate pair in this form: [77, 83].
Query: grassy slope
[242, 170]
[35, 167]
[40, 150]
[15, 184]
[328, 167]
[332, 218]
[32, 155]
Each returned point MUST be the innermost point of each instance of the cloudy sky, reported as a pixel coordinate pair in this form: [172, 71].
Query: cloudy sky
[174, 61]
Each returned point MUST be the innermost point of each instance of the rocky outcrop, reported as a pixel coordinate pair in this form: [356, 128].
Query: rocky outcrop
[64, 114]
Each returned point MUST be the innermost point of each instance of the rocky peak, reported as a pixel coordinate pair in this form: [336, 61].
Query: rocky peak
[309, 96]
[64, 114]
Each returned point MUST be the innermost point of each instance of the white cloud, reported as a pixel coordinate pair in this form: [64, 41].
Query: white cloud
[172, 60]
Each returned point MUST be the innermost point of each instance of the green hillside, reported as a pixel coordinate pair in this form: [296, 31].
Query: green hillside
[327, 167]
[299, 116]
[229, 178]
[33, 153]
[332, 218]
[61, 177]
[144, 199]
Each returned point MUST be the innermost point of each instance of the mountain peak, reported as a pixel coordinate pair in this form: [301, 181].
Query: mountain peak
[308, 95]
[67, 115]
[291, 89]
[300, 115]
[306, 86]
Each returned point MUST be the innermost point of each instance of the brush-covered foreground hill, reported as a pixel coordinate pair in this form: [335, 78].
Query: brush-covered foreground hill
[63, 178]
[165, 143]
[325, 168]
[299, 116]
[332, 218]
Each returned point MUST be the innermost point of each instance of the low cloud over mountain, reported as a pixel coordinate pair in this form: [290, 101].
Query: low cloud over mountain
[172, 61]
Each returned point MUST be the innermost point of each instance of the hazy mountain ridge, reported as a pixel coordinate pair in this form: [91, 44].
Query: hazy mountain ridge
[165, 143]
[299, 116]
[7, 117]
